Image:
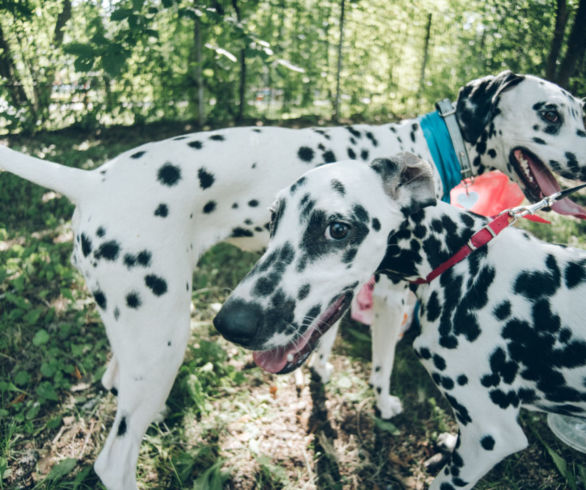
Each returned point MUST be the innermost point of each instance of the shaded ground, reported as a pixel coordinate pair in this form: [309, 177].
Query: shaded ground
[229, 424]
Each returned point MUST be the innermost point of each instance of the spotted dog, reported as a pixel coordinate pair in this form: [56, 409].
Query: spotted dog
[504, 328]
[143, 219]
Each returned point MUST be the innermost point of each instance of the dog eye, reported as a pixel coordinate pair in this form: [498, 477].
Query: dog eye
[337, 230]
[550, 116]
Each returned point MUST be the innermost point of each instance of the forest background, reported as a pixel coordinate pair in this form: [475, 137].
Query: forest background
[221, 62]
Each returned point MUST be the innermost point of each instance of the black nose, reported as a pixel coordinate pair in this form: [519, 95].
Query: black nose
[238, 321]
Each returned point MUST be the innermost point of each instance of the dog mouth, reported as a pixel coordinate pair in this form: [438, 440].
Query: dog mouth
[538, 182]
[284, 359]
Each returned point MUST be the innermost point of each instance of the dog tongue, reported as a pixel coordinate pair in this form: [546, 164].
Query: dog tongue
[549, 185]
[275, 360]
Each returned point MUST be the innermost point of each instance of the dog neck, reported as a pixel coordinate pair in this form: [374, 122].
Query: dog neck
[427, 239]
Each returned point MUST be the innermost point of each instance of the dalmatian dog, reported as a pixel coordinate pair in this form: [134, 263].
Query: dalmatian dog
[143, 219]
[504, 328]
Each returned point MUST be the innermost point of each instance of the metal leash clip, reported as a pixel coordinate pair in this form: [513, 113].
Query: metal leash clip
[521, 211]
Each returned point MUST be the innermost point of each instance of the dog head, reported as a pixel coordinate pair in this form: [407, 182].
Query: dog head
[328, 234]
[535, 126]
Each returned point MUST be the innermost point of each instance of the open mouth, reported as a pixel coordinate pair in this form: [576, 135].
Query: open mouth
[538, 182]
[284, 359]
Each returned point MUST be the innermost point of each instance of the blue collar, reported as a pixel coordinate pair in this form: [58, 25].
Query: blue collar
[442, 151]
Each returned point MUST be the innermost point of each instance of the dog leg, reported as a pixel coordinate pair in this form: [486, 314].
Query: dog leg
[319, 361]
[389, 308]
[110, 378]
[482, 443]
[148, 345]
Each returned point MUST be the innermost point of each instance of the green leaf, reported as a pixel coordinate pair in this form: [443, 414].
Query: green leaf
[48, 369]
[41, 337]
[62, 468]
[113, 61]
[80, 49]
[33, 316]
[83, 64]
[120, 14]
[386, 426]
[22, 378]
[46, 391]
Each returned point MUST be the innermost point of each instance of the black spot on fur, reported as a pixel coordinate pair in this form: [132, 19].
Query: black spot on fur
[487, 442]
[375, 224]
[162, 210]
[241, 232]
[253, 203]
[503, 310]
[133, 300]
[462, 380]
[100, 298]
[209, 207]
[351, 154]
[305, 153]
[574, 274]
[129, 260]
[439, 362]
[353, 132]
[138, 154]
[116, 313]
[539, 141]
[217, 137]
[86, 245]
[533, 285]
[169, 174]
[338, 187]
[303, 292]
[206, 179]
[156, 284]
[122, 427]
[108, 250]
[144, 258]
[329, 156]
[195, 144]
[100, 231]
[364, 155]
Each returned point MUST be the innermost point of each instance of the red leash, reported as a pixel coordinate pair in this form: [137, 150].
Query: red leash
[492, 229]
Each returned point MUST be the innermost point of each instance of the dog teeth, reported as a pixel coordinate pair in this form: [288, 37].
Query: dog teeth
[525, 166]
[290, 358]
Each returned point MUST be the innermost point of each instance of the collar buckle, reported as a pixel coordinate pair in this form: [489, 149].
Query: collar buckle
[447, 111]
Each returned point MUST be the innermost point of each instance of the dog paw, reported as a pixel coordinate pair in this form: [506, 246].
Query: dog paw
[389, 406]
[446, 442]
[324, 370]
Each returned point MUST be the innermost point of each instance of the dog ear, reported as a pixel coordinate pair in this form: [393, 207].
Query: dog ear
[478, 102]
[408, 180]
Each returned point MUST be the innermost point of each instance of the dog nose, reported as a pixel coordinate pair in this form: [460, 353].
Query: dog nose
[238, 321]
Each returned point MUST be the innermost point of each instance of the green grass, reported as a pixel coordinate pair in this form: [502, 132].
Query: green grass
[229, 424]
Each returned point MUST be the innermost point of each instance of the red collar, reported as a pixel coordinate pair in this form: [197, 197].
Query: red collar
[480, 238]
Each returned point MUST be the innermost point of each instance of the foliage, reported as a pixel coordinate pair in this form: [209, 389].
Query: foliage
[135, 61]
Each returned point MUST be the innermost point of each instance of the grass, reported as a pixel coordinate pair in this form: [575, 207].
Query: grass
[229, 424]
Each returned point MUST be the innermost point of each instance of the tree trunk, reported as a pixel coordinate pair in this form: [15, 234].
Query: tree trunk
[43, 89]
[425, 56]
[576, 47]
[242, 84]
[339, 71]
[8, 72]
[198, 73]
[561, 20]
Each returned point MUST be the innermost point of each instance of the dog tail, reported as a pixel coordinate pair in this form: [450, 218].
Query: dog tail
[71, 182]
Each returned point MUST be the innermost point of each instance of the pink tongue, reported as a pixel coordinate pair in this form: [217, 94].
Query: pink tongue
[275, 360]
[272, 361]
[549, 185]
